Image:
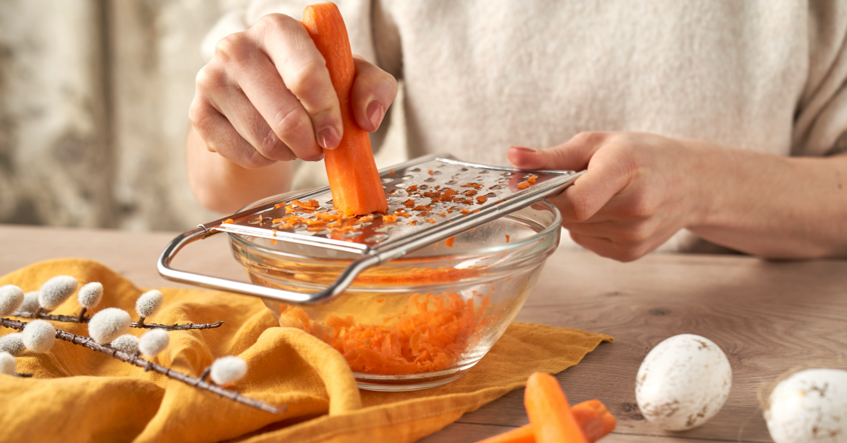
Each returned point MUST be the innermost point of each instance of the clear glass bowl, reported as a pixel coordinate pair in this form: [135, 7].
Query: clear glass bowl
[416, 322]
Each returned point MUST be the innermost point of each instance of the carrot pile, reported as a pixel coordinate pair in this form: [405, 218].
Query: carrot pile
[430, 334]
[353, 178]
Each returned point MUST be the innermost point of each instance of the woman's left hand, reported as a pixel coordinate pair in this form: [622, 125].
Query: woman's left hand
[638, 191]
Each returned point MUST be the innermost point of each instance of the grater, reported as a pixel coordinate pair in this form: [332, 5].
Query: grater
[430, 199]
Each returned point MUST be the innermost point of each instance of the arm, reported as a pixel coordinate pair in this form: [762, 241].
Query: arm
[640, 189]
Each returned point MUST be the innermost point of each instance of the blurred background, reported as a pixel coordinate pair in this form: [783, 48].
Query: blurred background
[94, 98]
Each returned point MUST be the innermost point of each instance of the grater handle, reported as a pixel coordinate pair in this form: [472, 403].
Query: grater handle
[280, 295]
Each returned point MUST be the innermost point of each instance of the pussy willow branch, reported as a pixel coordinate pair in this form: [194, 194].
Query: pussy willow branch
[135, 324]
[89, 343]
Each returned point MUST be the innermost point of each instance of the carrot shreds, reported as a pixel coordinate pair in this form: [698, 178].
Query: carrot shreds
[481, 199]
[449, 242]
[227, 221]
[465, 211]
[391, 172]
[430, 334]
[472, 185]
[507, 238]
[523, 185]
[412, 188]
[430, 220]
[389, 218]
[409, 203]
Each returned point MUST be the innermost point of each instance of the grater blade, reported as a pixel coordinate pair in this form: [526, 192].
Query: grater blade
[430, 199]
[419, 191]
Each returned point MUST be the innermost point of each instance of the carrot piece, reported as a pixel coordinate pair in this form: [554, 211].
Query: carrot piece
[353, 178]
[449, 242]
[592, 416]
[596, 421]
[549, 413]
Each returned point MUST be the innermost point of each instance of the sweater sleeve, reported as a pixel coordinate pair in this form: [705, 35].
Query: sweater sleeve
[356, 13]
[821, 120]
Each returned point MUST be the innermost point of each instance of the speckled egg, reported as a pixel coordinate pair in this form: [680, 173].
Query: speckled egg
[809, 406]
[683, 382]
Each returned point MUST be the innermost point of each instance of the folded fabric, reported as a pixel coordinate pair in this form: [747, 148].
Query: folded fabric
[78, 395]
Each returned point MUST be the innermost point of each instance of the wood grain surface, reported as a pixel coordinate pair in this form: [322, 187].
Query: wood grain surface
[767, 316]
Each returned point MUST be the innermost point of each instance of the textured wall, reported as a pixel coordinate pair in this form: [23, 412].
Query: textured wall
[94, 98]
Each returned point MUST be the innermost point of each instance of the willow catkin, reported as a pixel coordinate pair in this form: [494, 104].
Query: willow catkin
[7, 363]
[153, 342]
[55, 291]
[90, 295]
[38, 336]
[149, 303]
[108, 325]
[228, 370]
[11, 298]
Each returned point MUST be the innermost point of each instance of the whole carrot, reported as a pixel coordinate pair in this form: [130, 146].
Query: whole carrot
[353, 178]
[549, 412]
[592, 416]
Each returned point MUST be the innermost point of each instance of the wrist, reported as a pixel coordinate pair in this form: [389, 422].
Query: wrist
[709, 182]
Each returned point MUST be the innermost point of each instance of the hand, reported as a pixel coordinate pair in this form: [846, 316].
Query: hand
[638, 191]
[266, 96]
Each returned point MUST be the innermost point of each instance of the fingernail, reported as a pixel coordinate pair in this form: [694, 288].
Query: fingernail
[524, 149]
[376, 112]
[328, 138]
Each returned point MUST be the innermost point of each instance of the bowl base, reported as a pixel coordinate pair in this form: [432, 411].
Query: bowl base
[370, 383]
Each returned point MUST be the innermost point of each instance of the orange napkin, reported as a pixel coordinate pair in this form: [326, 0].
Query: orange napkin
[78, 395]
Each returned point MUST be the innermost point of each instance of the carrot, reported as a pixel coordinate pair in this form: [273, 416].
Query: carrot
[353, 178]
[549, 412]
[596, 421]
[592, 416]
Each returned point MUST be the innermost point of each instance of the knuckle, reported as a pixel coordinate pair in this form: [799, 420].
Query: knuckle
[253, 159]
[272, 23]
[290, 122]
[208, 78]
[307, 76]
[199, 115]
[235, 47]
[589, 138]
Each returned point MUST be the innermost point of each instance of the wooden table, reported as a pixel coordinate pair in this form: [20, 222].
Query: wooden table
[767, 316]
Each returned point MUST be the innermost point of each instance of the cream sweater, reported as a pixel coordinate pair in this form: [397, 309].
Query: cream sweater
[481, 75]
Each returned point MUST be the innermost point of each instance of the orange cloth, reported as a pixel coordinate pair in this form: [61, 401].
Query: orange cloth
[78, 395]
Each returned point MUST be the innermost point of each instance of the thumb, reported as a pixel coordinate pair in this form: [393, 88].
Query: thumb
[573, 155]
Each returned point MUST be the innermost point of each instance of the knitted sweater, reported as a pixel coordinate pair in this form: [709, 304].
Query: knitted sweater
[481, 75]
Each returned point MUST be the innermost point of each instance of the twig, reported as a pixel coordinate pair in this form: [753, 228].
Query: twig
[147, 365]
[142, 325]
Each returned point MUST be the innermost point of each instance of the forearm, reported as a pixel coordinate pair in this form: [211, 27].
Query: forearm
[222, 186]
[774, 207]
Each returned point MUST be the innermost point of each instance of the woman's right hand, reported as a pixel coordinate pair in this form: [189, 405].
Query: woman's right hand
[266, 96]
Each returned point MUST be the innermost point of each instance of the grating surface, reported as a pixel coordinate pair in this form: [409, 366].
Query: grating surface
[421, 196]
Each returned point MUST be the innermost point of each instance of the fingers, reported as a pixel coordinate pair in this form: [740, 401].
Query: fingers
[573, 155]
[373, 92]
[591, 191]
[303, 70]
[221, 137]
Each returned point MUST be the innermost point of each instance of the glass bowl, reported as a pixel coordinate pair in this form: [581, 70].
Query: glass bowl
[416, 322]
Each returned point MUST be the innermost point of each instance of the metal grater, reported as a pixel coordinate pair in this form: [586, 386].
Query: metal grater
[498, 191]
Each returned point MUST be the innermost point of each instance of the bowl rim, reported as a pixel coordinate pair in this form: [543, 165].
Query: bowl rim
[555, 224]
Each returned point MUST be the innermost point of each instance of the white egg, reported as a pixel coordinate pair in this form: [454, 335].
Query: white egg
[683, 382]
[810, 406]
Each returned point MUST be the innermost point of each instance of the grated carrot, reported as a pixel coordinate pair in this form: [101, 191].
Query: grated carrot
[430, 334]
